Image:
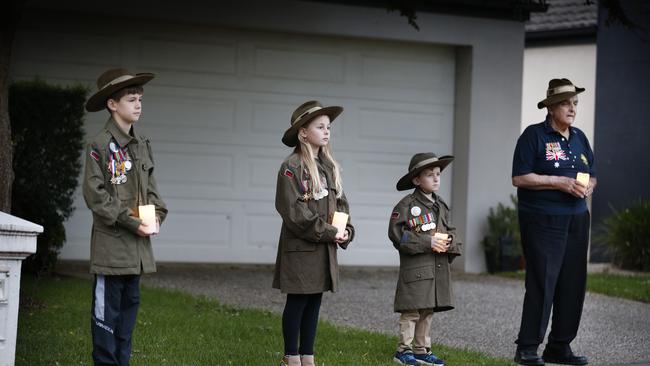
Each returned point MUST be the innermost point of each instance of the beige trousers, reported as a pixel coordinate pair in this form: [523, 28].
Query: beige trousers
[415, 331]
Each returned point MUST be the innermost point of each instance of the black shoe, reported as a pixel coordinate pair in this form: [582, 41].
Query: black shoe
[528, 358]
[564, 359]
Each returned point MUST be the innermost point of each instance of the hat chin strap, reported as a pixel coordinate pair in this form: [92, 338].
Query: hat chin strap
[310, 110]
[560, 89]
[117, 80]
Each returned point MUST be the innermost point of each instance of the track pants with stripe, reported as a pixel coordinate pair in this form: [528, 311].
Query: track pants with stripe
[114, 309]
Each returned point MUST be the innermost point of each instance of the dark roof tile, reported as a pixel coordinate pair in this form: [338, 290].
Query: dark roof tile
[564, 15]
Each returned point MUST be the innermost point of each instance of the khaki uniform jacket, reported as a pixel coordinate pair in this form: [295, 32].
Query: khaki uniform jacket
[424, 276]
[306, 261]
[115, 248]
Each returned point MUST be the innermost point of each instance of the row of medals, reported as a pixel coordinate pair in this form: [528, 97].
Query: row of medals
[416, 211]
[118, 164]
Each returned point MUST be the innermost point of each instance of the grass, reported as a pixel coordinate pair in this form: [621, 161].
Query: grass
[631, 287]
[174, 328]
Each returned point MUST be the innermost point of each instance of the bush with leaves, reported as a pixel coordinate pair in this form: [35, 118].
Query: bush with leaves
[627, 235]
[47, 134]
[503, 232]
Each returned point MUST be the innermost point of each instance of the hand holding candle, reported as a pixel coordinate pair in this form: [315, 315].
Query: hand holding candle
[583, 179]
[440, 242]
[340, 221]
[147, 214]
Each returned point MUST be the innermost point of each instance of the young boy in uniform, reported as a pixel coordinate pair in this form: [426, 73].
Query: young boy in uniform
[421, 231]
[118, 179]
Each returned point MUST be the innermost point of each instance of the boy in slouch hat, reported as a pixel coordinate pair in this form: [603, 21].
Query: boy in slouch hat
[118, 179]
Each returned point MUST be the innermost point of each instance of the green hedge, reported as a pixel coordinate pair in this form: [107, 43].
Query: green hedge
[627, 235]
[47, 133]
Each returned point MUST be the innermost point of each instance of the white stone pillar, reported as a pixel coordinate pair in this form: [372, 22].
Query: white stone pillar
[17, 241]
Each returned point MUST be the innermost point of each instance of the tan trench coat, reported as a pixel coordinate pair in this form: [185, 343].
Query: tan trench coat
[306, 261]
[424, 276]
[115, 248]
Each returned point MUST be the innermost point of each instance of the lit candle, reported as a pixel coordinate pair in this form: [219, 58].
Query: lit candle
[442, 236]
[583, 179]
[147, 214]
[340, 220]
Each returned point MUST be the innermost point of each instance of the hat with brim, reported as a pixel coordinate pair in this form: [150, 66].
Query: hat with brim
[559, 90]
[418, 163]
[304, 114]
[111, 81]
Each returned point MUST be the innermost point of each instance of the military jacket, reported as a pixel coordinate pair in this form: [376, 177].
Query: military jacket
[424, 276]
[306, 260]
[118, 178]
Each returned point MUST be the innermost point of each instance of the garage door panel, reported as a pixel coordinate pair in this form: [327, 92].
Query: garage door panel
[269, 117]
[263, 230]
[293, 64]
[189, 111]
[263, 172]
[67, 48]
[191, 228]
[393, 125]
[189, 56]
[391, 72]
[216, 113]
[215, 170]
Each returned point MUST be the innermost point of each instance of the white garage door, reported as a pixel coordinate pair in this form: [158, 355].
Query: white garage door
[219, 105]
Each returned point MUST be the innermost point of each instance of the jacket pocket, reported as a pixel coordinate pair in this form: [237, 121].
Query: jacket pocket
[298, 245]
[112, 249]
[418, 274]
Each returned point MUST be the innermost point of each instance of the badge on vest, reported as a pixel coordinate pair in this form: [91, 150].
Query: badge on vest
[119, 163]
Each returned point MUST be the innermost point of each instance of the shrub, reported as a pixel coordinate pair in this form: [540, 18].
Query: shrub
[627, 235]
[502, 243]
[47, 133]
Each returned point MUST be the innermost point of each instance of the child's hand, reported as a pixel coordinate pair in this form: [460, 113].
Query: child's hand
[439, 245]
[143, 230]
[341, 237]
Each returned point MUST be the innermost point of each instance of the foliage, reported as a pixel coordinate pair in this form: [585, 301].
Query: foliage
[627, 235]
[174, 328]
[503, 240]
[47, 130]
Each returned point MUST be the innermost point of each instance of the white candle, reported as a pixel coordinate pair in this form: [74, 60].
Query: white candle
[583, 179]
[340, 220]
[442, 236]
[147, 214]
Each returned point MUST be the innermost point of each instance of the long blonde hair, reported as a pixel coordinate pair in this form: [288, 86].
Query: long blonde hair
[306, 153]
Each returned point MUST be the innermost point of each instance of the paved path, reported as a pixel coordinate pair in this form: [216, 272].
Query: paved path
[613, 331]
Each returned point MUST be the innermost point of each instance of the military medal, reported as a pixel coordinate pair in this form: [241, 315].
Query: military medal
[119, 162]
[425, 222]
[322, 194]
[416, 211]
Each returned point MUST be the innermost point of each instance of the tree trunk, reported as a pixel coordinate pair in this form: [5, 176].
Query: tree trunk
[8, 24]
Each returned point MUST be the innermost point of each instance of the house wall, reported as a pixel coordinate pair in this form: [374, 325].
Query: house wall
[488, 76]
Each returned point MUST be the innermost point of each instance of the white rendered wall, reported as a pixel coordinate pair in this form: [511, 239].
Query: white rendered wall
[574, 62]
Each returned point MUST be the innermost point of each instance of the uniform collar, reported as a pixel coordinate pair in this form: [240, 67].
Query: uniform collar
[548, 128]
[420, 196]
[120, 137]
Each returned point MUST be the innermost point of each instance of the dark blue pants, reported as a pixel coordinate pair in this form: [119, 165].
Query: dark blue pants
[555, 248]
[300, 319]
[114, 309]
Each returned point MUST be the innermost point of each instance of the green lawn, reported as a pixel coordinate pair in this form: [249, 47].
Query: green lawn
[178, 329]
[632, 287]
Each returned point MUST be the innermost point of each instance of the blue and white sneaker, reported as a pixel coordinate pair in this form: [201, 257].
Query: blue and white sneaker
[429, 359]
[405, 358]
